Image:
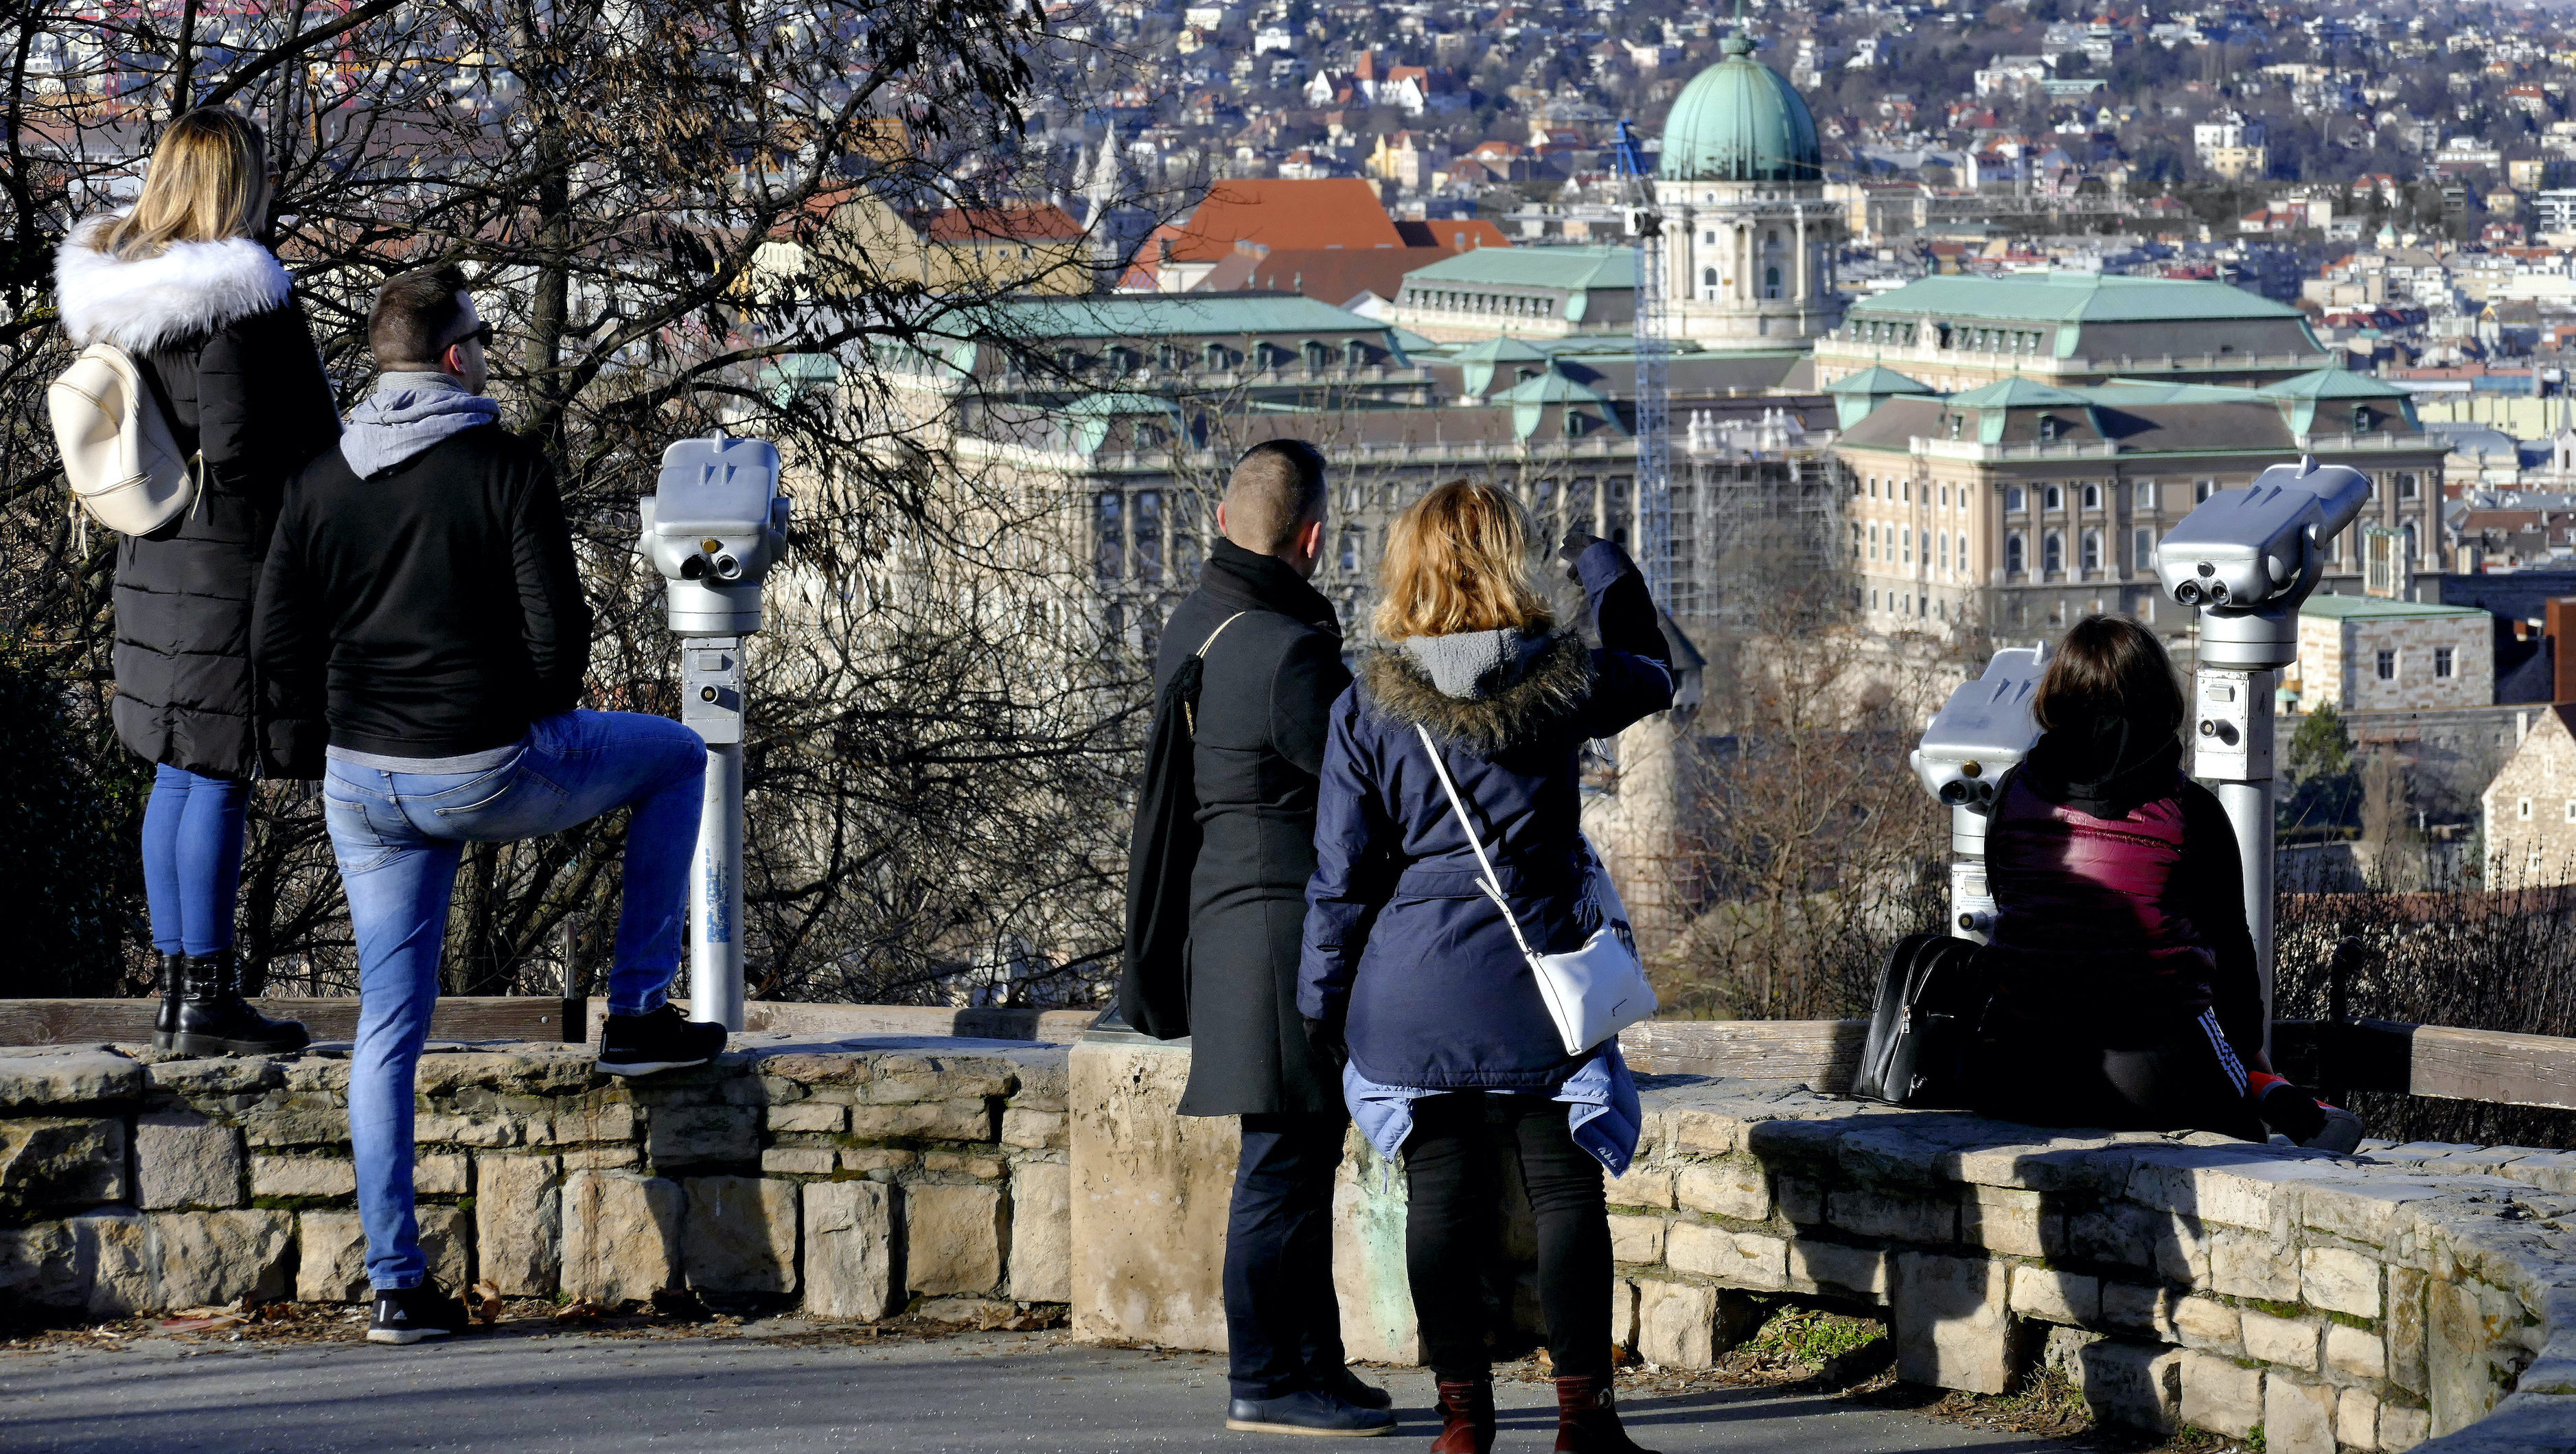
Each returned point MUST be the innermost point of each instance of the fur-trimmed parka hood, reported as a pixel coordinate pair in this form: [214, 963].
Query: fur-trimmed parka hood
[1550, 690]
[192, 288]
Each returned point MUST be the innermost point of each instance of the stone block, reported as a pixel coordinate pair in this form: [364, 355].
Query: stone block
[2178, 1248]
[807, 1116]
[739, 1234]
[207, 1259]
[1033, 1130]
[330, 1257]
[2056, 1297]
[114, 1253]
[1734, 1187]
[2339, 1281]
[1636, 1239]
[601, 1158]
[1738, 1259]
[2118, 1232]
[2298, 1418]
[1623, 1313]
[182, 1159]
[1642, 1188]
[953, 1238]
[682, 1135]
[2253, 1265]
[2357, 1418]
[1042, 1232]
[1801, 1201]
[518, 1223]
[2207, 1324]
[1950, 1323]
[40, 1266]
[2004, 1219]
[1833, 1268]
[2402, 1428]
[1709, 1133]
[443, 1175]
[1898, 1218]
[573, 1120]
[447, 1244]
[2464, 1323]
[2137, 1384]
[1677, 1324]
[852, 1233]
[950, 1120]
[69, 1079]
[2406, 1331]
[797, 1161]
[2214, 1185]
[621, 1235]
[2138, 1307]
[55, 1161]
[2371, 1213]
[2221, 1395]
[878, 1161]
[983, 1168]
[2290, 1342]
[303, 1176]
[429, 1128]
[2356, 1353]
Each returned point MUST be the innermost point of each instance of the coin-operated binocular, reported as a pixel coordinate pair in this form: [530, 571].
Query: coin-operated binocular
[1983, 729]
[714, 527]
[2246, 559]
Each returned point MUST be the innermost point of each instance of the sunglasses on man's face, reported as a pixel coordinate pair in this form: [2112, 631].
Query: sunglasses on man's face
[482, 334]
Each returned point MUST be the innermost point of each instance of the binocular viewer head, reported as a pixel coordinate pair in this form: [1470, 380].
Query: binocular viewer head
[2246, 558]
[713, 527]
[1983, 729]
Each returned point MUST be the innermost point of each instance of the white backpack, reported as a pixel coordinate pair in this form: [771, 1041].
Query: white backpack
[125, 469]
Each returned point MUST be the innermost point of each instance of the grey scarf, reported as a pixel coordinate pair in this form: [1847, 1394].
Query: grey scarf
[407, 414]
[1474, 665]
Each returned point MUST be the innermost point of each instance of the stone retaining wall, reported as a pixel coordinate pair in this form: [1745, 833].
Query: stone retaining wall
[846, 1177]
[2366, 1303]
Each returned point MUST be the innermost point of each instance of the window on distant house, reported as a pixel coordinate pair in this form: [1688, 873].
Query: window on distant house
[2142, 546]
[2388, 666]
[2202, 490]
[2012, 499]
[2013, 554]
[2052, 498]
[2522, 809]
[2052, 553]
[2092, 496]
[2145, 496]
[2092, 550]
[2441, 661]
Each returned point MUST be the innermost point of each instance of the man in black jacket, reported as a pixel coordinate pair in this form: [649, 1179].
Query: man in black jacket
[1273, 666]
[421, 598]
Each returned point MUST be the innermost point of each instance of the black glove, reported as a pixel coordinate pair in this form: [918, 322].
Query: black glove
[1577, 541]
[1324, 1038]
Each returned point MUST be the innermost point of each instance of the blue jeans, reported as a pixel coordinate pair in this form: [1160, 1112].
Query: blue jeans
[398, 837]
[192, 858]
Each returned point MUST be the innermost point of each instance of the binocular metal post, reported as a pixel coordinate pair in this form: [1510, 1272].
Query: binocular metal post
[713, 527]
[2232, 727]
[1979, 734]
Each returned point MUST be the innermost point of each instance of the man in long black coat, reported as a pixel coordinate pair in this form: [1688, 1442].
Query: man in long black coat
[1273, 667]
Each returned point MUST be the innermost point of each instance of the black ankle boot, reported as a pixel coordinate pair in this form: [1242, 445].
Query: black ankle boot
[165, 1020]
[213, 1020]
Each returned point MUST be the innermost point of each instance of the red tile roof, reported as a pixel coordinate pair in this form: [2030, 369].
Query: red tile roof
[1273, 213]
[1013, 222]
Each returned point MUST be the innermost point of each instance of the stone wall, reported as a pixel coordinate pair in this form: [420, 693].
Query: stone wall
[2365, 1303]
[846, 1177]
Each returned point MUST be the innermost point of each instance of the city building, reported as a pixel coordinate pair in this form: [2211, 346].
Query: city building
[2370, 654]
[1532, 292]
[2230, 146]
[2020, 504]
[2528, 812]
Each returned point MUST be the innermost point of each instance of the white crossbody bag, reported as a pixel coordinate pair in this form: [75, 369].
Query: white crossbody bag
[1593, 992]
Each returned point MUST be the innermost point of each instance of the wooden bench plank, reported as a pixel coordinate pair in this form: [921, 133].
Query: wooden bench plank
[129, 1022]
[1823, 1054]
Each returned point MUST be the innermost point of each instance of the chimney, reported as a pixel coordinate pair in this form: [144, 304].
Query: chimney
[2558, 620]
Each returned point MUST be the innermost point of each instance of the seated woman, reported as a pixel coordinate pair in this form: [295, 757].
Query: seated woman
[1411, 976]
[2127, 991]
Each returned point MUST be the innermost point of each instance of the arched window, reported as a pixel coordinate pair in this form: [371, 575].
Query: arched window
[2013, 556]
[1905, 539]
[2052, 553]
[2013, 500]
[2092, 550]
[1873, 542]
[2092, 496]
[1109, 536]
[1945, 550]
[2052, 498]
[1771, 282]
[1708, 277]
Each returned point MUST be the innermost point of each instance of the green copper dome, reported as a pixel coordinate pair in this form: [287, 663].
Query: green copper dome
[1738, 121]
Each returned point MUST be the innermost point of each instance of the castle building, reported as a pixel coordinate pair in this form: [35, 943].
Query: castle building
[1748, 230]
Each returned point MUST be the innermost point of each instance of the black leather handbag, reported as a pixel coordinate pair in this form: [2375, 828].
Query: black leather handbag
[1923, 1027]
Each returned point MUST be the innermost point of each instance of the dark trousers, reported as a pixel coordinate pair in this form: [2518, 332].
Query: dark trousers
[1452, 1170]
[2150, 1073]
[1283, 1324]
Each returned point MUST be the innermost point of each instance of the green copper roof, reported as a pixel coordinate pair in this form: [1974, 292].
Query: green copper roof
[2334, 384]
[1499, 349]
[1573, 268]
[2018, 393]
[2070, 298]
[1738, 121]
[2346, 607]
[1879, 379]
[1553, 388]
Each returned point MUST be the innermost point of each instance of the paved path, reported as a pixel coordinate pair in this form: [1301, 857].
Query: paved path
[973, 1394]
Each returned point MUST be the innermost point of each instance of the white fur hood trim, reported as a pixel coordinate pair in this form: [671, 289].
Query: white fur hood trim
[192, 288]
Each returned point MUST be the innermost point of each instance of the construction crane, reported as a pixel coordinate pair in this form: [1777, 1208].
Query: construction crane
[1654, 537]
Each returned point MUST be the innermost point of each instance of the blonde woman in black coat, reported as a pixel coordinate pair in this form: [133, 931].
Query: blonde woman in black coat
[180, 283]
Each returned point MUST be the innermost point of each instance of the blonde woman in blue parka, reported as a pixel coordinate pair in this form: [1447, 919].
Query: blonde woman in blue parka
[1409, 974]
